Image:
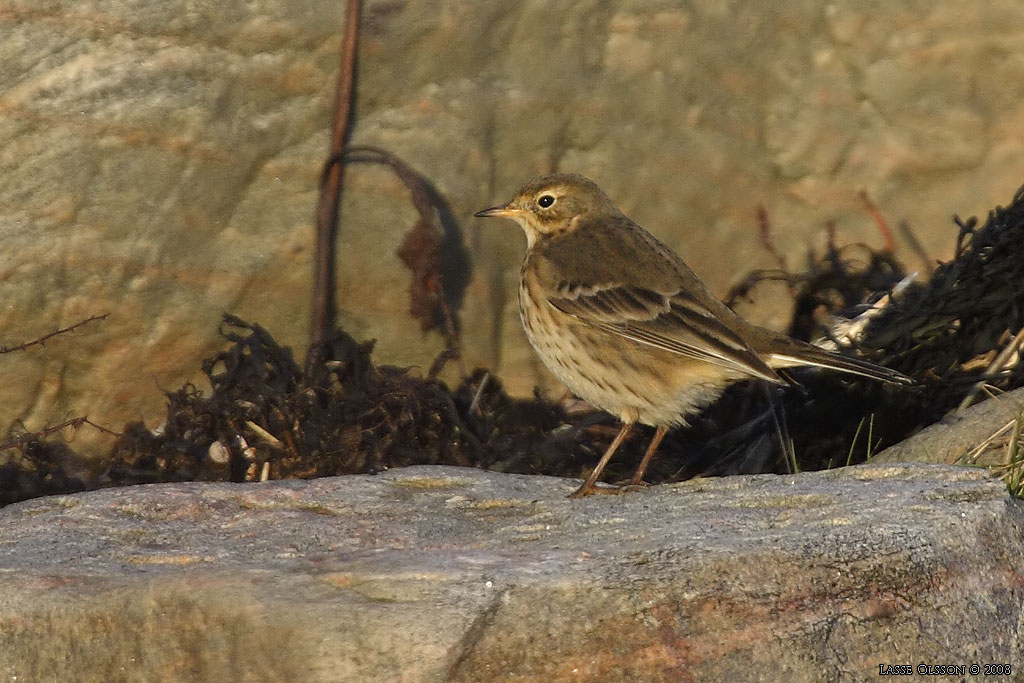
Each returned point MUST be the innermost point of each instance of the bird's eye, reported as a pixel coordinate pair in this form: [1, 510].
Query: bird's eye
[545, 201]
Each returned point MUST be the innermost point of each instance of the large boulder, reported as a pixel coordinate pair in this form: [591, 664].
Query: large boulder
[447, 574]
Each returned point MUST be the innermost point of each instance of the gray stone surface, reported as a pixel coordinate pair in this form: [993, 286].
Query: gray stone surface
[160, 158]
[438, 574]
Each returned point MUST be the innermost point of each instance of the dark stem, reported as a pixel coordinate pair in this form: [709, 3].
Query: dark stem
[328, 208]
[46, 337]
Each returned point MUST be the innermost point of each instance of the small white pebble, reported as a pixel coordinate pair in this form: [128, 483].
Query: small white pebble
[218, 453]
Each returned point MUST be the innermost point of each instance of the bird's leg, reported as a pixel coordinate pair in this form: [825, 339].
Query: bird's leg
[638, 476]
[588, 486]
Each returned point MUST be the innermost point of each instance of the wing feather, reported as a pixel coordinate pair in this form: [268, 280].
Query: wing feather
[675, 322]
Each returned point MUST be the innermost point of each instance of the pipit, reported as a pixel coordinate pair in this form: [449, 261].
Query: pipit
[627, 326]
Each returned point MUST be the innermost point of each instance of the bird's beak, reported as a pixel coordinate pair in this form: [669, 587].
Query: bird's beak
[504, 211]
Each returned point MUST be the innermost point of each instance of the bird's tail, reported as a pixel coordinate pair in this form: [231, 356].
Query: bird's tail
[794, 354]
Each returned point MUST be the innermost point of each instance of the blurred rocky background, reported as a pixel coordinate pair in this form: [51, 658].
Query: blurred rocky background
[160, 160]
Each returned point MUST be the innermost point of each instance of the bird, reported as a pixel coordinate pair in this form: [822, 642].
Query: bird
[627, 326]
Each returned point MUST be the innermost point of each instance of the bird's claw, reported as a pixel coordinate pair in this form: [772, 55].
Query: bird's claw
[584, 491]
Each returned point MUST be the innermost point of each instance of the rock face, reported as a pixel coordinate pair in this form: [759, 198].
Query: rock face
[437, 574]
[160, 158]
[954, 438]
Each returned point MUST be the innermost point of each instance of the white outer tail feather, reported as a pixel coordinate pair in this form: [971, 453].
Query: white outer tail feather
[851, 366]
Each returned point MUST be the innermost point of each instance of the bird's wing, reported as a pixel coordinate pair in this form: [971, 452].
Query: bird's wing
[676, 322]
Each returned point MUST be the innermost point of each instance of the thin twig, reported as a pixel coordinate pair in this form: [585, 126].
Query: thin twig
[329, 206]
[768, 242]
[971, 456]
[764, 225]
[997, 366]
[46, 337]
[265, 435]
[883, 225]
[441, 360]
[474, 407]
[74, 422]
[100, 428]
[782, 431]
[289, 427]
[850, 332]
[463, 428]
[927, 262]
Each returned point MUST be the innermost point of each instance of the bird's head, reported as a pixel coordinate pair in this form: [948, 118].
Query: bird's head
[553, 204]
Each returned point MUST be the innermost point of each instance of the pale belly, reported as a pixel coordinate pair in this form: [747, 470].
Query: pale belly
[631, 381]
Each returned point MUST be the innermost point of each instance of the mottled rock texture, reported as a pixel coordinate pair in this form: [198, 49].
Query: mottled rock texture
[447, 574]
[961, 437]
[160, 158]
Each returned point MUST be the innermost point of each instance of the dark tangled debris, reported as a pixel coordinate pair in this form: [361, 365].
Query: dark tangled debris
[267, 417]
[944, 333]
[41, 467]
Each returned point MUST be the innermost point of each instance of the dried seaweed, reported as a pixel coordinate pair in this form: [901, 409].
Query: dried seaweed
[432, 250]
[969, 307]
[41, 467]
[267, 418]
[944, 333]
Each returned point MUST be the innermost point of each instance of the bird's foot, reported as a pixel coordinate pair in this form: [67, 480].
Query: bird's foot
[587, 490]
